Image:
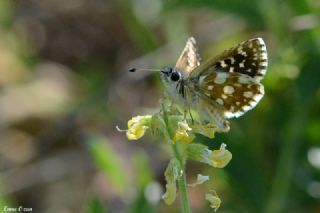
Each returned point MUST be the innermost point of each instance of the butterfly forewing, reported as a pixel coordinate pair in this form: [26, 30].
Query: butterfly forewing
[249, 58]
[230, 81]
[189, 58]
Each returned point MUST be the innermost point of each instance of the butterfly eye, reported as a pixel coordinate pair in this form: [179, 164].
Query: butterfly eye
[175, 76]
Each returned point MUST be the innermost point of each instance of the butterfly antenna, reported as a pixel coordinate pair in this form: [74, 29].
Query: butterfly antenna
[135, 70]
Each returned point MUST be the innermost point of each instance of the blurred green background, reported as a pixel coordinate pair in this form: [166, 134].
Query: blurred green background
[64, 87]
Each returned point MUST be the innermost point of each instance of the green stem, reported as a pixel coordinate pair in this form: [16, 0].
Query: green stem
[182, 182]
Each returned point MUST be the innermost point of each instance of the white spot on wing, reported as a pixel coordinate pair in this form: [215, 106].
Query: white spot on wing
[201, 79]
[220, 78]
[229, 114]
[238, 113]
[253, 103]
[248, 94]
[264, 64]
[243, 80]
[257, 97]
[263, 48]
[219, 101]
[260, 41]
[223, 64]
[246, 108]
[261, 89]
[264, 55]
[210, 87]
[228, 89]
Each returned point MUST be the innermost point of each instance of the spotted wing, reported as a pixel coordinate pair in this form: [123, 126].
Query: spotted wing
[231, 80]
[189, 58]
[234, 93]
[249, 58]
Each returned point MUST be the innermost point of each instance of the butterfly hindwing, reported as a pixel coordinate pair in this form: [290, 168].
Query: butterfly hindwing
[234, 93]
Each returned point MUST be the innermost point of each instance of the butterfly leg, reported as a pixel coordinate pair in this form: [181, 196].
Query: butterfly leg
[189, 102]
[209, 114]
[192, 120]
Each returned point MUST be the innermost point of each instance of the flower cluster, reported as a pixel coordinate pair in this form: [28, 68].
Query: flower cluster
[172, 126]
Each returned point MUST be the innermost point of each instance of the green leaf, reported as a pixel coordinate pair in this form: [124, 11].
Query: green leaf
[94, 205]
[108, 162]
[198, 152]
[142, 168]
[172, 174]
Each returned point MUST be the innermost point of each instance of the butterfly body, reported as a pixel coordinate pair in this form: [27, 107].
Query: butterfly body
[223, 87]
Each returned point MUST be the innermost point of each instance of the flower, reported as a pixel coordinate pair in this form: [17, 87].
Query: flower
[207, 130]
[171, 125]
[183, 130]
[137, 126]
[214, 200]
[220, 158]
[182, 134]
[216, 158]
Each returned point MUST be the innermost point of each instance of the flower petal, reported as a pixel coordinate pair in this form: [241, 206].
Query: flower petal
[220, 158]
[207, 130]
[171, 176]
[137, 126]
[182, 134]
[214, 200]
[199, 152]
[200, 180]
[216, 158]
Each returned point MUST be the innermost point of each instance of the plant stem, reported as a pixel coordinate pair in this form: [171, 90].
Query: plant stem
[182, 182]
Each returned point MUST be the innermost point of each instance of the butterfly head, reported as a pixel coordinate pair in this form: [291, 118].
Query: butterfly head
[170, 75]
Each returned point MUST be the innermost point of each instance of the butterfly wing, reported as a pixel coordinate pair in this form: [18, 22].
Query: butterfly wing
[230, 81]
[235, 93]
[248, 58]
[189, 58]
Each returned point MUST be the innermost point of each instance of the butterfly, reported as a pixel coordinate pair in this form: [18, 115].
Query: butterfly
[222, 87]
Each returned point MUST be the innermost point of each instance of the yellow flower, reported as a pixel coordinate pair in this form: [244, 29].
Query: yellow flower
[207, 130]
[137, 126]
[220, 158]
[216, 158]
[214, 200]
[182, 134]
